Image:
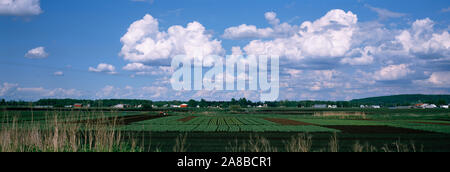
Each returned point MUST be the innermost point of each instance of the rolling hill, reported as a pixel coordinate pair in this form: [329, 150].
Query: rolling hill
[406, 99]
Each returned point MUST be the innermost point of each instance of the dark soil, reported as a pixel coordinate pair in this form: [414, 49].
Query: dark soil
[443, 119]
[277, 112]
[187, 119]
[436, 123]
[375, 129]
[286, 121]
[123, 120]
[221, 142]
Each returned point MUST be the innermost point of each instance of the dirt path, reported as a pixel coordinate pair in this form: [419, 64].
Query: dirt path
[434, 123]
[286, 121]
[374, 129]
[187, 118]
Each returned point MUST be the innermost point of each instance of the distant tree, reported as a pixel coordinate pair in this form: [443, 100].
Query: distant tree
[442, 102]
[346, 104]
[192, 103]
[3, 102]
[233, 101]
[147, 106]
[203, 103]
[243, 102]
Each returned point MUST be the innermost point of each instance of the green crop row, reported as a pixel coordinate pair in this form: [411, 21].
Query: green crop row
[203, 120]
[226, 128]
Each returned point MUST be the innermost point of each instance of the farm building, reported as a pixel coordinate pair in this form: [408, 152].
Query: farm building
[332, 106]
[78, 105]
[121, 106]
[444, 106]
[432, 106]
[180, 106]
[376, 106]
[420, 105]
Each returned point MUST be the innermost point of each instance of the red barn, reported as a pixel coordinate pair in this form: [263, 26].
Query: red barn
[184, 106]
[78, 105]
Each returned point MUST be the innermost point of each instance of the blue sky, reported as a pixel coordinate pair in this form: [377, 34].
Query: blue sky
[330, 50]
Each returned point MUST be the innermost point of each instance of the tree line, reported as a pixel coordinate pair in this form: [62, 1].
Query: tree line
[388, 101]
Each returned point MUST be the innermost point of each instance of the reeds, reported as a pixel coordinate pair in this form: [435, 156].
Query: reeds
[253, 144]
[65, 134]
[180, 143]
[341, 115]
[303, 143]
[97, 132]
[299, 143]
[333, 144]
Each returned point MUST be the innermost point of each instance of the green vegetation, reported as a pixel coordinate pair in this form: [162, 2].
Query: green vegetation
[248, 129]
[404, 100]
[237, 105]
[54, 134]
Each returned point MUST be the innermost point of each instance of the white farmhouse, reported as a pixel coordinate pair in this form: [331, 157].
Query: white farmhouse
[431, 106]
[376, 106]
[332, 106]
[119, 106]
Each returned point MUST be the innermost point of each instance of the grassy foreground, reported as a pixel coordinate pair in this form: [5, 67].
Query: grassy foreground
[129, 132]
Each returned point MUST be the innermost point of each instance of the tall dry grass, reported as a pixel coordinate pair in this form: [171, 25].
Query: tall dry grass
[180, 143]
[253, 144]
[65, 134]
[398, 146]
[299, 143]
[80, 133]
[357, 147]
[334, 143]
[341, 115]
[303, 143]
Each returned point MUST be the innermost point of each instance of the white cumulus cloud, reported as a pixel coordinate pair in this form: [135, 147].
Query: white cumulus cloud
[40, 92]
[364, 56]
[136, 67]
[20, 7]
[145, 43]
[17, 92]
[440, 78]
[247, 31]
[7, 88]
[37, 53]
[142, 69]
[423, 40]
[437, 79]
[329, 36]
[277, 30]
[392, 72]
[103, 68]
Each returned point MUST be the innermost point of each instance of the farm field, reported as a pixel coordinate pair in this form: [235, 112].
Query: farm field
[221, 131]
